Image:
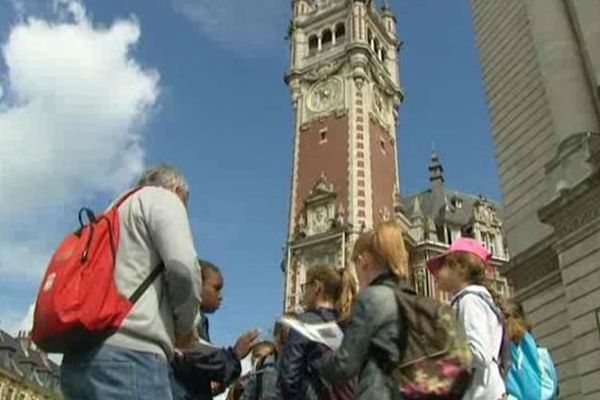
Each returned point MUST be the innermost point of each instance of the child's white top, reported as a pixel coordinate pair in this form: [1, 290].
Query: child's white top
[484, 335]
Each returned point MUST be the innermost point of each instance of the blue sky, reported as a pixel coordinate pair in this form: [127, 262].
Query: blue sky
[207, 95]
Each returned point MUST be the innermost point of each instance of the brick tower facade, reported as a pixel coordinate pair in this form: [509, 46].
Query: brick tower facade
[344, 82]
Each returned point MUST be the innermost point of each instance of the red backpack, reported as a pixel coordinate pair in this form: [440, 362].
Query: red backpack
[78, 303]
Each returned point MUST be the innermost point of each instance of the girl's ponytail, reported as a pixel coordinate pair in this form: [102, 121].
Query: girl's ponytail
[339, 287]
[517, 322]
[388, 245]
[347, 294]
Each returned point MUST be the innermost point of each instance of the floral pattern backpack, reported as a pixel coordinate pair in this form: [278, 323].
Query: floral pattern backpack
[436, 362]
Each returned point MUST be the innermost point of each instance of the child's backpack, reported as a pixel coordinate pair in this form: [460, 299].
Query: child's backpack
[266, 380]
[78, 303]
[436, 361]
[326, 391]
[503, 360]
[532, 373]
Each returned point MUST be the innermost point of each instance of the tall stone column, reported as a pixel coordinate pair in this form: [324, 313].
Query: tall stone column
[568, 91]
[575, 216]
[574, 173]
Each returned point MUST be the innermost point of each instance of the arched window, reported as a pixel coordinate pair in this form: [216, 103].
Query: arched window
[340, 32]
[376, 46]
[383, 55]
[370, 38]
[326, 39]
[313, 45]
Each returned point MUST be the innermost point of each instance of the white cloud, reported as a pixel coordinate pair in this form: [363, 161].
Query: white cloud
[242, 25]
[71, 109]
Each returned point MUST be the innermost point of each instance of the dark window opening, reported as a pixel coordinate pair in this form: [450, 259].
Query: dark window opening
[313, 44]
[327, 39]
[323, 136]
[340, 33]
[449, 236]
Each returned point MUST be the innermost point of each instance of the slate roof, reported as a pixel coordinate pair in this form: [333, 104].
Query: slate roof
[441, 204]
[21, 361]
[429, 205]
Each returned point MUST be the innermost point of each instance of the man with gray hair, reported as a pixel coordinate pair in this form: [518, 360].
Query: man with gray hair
[133, 363]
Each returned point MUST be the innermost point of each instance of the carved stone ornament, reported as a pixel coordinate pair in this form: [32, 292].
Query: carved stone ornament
[323, 186]
[321, 214]
[325, 4]
[319, 219]
[325, 95]
[577, 220]
[380, 120]
[323, 71]
[325, 255]
[379, 103]
[359, 82]
[382, 81]
[386, 215]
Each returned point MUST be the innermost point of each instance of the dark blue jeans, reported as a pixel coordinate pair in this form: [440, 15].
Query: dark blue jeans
[109, 372]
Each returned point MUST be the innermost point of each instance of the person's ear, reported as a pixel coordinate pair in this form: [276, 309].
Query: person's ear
[319, 288]
[183, 194]
[363, 260]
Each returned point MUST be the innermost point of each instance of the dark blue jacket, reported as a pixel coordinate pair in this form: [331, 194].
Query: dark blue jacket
[193, 371]
[262, 384]
[297, 380]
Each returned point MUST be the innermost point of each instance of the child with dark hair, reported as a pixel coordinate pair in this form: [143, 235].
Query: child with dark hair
[206, 370]
[532, 373]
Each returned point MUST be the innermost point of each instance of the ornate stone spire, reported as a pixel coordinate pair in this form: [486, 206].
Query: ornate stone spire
[436, 170]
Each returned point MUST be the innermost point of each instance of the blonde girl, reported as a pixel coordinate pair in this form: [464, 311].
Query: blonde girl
[374, 331]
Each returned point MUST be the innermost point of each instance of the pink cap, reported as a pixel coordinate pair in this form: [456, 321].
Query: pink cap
[465, 245]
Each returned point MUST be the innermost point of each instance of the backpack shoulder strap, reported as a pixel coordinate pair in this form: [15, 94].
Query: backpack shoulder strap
[503, 357]
[487, 299]
[135, 296]
[146, 283]
[258, 387]
[127, 195]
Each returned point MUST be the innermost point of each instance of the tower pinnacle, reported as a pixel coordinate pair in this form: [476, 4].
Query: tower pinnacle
[436, 170]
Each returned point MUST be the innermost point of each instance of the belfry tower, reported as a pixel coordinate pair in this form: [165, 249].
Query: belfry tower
[344, 82]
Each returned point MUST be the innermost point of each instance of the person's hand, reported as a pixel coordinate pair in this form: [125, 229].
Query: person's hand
[245, 343]
[187, 340]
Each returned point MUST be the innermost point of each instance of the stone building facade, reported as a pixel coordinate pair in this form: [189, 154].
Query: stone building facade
[26, 373]
[440, 215]
[541, 69]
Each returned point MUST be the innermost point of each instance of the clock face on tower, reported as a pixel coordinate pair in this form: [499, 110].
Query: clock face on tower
[324, 95]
